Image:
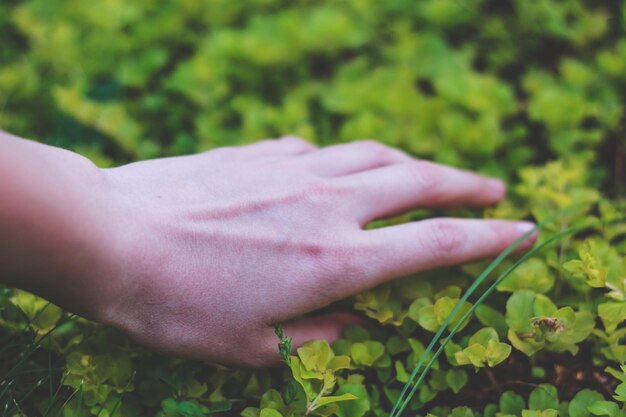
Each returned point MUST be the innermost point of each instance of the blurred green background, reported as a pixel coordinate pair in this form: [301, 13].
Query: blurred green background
[485, 84]
[532, 91]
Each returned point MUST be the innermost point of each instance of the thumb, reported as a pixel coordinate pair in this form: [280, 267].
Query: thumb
[328, 327]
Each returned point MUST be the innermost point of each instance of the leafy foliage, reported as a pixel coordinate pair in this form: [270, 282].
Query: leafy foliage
[530, 91]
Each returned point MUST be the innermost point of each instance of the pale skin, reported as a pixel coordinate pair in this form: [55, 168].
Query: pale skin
[198, 256]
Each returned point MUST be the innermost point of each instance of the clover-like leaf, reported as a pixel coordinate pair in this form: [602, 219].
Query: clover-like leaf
[603, 408]
[456, 379]
[540, 413]
[578, 406]
[315, 355]
[532, 275]
[359, 406]
[484, 348]
[511, 403]
[543, 397]
[367, 353]
[612, 314]
[335, 398]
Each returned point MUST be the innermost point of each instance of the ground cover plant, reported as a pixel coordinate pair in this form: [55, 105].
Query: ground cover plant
[531, 91]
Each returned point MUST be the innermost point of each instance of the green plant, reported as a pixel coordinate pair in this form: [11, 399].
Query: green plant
[530, 91]
[533, 320]
[284, 344]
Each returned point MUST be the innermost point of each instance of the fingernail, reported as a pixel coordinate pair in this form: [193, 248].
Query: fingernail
[524, 227]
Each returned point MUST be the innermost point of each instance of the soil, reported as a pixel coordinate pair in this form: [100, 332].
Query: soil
[568, 373]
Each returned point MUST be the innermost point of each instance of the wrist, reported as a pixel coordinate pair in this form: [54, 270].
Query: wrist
[54, 240]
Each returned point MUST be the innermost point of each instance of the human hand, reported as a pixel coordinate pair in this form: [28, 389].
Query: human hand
[213, 249]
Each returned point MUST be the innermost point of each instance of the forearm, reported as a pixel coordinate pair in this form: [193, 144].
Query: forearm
[49, 234]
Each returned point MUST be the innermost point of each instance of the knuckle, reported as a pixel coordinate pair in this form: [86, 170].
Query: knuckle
[426, 175]
[295, 140]
[352, 270]
[262, 142]
[319, 192]
[445, 238]
[348, 261]
[385, 154]
[374, 147]
[335, 266]
[292, 138]
[370, 144]
[223, 152]
[337, 188]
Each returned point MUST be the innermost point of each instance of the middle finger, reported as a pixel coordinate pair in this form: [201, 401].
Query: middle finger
[398, 188]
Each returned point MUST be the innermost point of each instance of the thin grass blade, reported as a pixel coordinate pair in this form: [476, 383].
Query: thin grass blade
[402, 403]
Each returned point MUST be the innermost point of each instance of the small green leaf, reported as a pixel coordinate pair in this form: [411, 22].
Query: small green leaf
[401, 373]
[520, 308]
[543, 306]
[41, 314]
[396, 344]
[339, 362]
[367, 353]
[490, 317]
[461, 412]
[426, 317]
[550, 412]
[511, 403]
[220, 406]
[612, 314]
[426, 393]
[297, 370]
[484, 336]
[357, 408]
[315, 355]
[272, 399]
[543, 397]
[579, 405]
[443, 307]
[604, 408]
[456, 379]
[490, 410]
[590, 266]
[484, 349]
[356, 333]
[497, 352]
[270, 412]
[531, 275]
[620, 392]
[250, 412]
[538, 372]
[335, 398]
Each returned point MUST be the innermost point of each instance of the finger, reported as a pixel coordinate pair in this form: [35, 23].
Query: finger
[350, 158]
[413, 247]
[397, 188]
[328, 327]
[287, 145]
